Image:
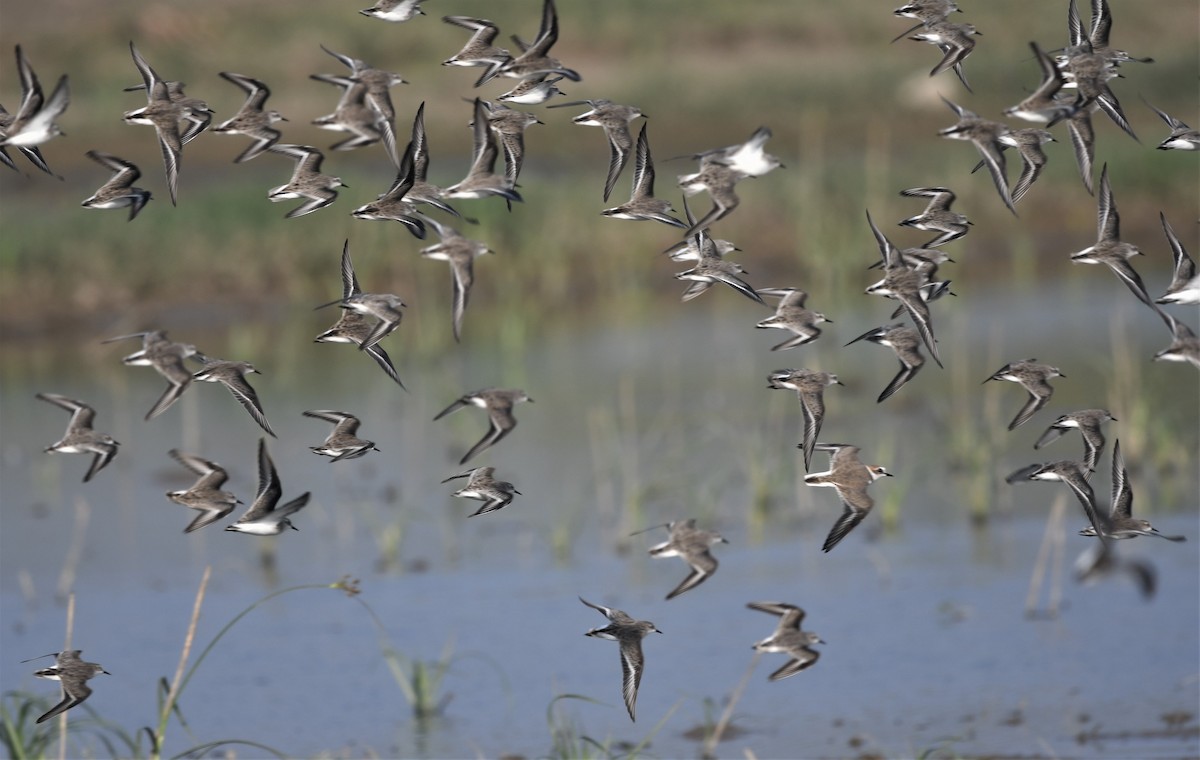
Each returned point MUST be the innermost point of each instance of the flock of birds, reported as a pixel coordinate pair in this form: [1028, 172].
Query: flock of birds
[1074, 86]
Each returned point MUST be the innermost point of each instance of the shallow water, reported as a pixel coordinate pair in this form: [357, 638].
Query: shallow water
[927, 641]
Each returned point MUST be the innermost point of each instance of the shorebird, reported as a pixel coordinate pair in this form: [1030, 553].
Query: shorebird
[1185, 284]
[1083, 143]
[166, 357]
[788, 638]
[719, 180]
[692, 545]
[307, 180]
[482, 180]
[343, 442]
[1089, 72]
[1073, 475]
[1087, 422]
[809, 386]
[36, 119]
[1028, 143]
[509, 125]
[642, 205]
[164, 114]
[985, 136]
[1033, 378]
[614, 119]
[205, 495]
[118, 191]
[394, 204]
[73, 674]
[421, 191]
[1185, 346]
[251, 119]
[535, 59]
[479, 50]
[1182, 136]
[851, 478]
[460, 253]
[1043, 105]
[937, 216]
[263, 518]
[1101, 560]
[926, 11]
[1108, 248]
[906, 343]
[749, 158]
[482, 486]
[695, 247]
[194, 111]
[1121, 522]
[905, 284]
[1096, 36]
[353, 327]
[628, 633]
[791, 315]
[233, 376]
[80, 438]
[499, 404]
[378, 84]
[385, 307]
[534, 90]
[395, 11]
[356, 116]
[956, 41]
[711, 269]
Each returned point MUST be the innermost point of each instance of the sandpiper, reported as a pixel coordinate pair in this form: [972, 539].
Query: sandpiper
[937, 216]
[956, 41]
[166, 357]
[394, 204]
[34, 154]
[80, 438]
[905, 284]
[1096, 36]
[628, 633]
[906, 343]
[719, 180]
[164, 115]
[1108, 248]
[482, 486]
[1087, 422]
[378, 96]
[354, 115]
[1033, 378]
[482, 180]
[1182, 136]
[535, 59]
[615, 120]
[1185, 346]
[263, 518]
[353, 327]
[1185, 284]
[850, 477]
[1044, 105]
[642, 205]
[534, 90]
[791, 315]
[509, 125]
[194, 111]
[479, 50]
[1101, 560]
[809, 386]
[395, 11]
[385, 307]
[118, 191]
[1121, 522]
[460, 253]
[711, 269]
[205, 495]
[1083, 142]
[1089, 72]
[1028, 143]
[36, 120]
[307, 180]
[696, 247]
[926, 11]
[421, 191]
[985, 136]
[1075, 477]
[251, 119]
[788, 638]
[692, 545]
[232, 375]
[749, 158]
[499, 404]
[343, 442]
[73, 674]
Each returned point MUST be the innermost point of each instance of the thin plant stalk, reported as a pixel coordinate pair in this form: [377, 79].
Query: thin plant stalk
[176, 682]
[714, 738]
[62, 717]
